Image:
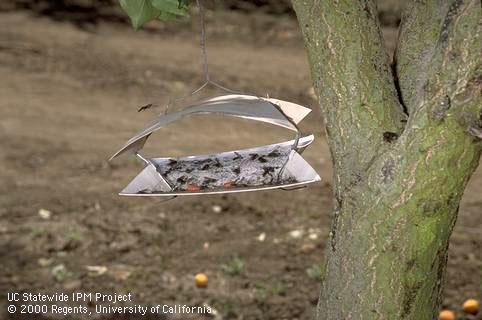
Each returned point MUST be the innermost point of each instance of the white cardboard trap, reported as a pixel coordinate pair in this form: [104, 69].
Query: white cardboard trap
[266, 167]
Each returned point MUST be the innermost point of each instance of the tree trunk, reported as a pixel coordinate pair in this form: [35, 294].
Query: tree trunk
[404, 142]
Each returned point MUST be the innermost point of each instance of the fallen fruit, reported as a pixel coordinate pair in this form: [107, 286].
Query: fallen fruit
[446, 315]
[471, 306]
[201, 280]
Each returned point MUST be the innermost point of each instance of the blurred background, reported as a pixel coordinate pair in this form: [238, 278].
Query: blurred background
[72, 76]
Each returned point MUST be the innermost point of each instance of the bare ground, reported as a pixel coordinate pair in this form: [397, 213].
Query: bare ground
[68, 100]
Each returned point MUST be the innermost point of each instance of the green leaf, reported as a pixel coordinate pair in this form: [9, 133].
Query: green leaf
[166, 16]
[184, 3]
[174, 7]
[140, 11]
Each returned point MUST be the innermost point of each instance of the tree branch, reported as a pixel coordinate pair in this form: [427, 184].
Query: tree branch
[352, 78]
[418, 34]
[438, 59]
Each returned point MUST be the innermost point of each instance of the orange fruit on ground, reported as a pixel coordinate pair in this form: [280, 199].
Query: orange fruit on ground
[446, 315]
[471, 306]
[201, 280]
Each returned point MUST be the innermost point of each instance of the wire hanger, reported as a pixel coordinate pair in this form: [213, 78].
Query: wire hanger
[205, 64]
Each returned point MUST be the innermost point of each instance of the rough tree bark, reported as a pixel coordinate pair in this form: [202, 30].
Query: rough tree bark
[404, 142]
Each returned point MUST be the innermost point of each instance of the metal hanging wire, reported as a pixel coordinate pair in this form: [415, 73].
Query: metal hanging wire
[202, 43]
[205, 63]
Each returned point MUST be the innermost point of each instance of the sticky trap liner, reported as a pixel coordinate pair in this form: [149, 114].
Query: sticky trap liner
[266, 167]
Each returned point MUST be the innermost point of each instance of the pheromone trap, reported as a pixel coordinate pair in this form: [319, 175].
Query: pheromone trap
[260, 168]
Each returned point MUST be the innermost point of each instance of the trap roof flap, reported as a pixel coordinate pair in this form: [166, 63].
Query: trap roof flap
[273, 111]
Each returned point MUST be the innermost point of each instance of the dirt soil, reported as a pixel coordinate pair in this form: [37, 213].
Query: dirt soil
[68, 101]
